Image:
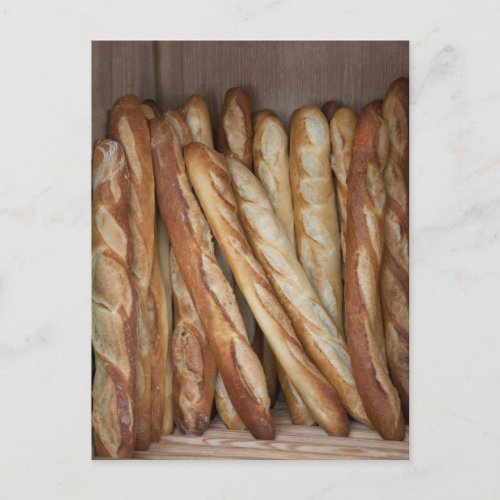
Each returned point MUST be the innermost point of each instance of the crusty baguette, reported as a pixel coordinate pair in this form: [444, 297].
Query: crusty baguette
[193, 362]
[129, 127]
[158, 324]
[312, 324]
[329, 109]
[235, 126]
[212, 183]
[270, 164]
[114, 306]
[150, 109]
[212, 295]
[164, 260]
[198, 119]
[225, 408]
[342, 127]
[316, 226]
[394, 278]
[177, 121]
[365, 244]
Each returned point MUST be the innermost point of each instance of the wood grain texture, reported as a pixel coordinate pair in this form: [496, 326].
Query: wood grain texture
[279, 75]
[119, 68]
[293, 442]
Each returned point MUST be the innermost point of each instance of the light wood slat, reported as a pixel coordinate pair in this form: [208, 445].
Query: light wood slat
[292, 442]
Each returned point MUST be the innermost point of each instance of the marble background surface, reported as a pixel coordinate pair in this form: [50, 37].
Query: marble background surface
[45, 248]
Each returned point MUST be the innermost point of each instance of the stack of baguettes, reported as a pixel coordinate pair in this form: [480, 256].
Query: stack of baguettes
[218, 272]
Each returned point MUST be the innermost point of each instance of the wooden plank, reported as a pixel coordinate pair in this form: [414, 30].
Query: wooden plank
[279, 75]
[291, 443]
[101, 88]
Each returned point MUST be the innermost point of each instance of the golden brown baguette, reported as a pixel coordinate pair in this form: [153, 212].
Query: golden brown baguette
[329, 109]
[114, 305]
[235, 126]
[225, 408]
[270, 163]
[129, 127]
[177, 121]
[212, 183]
[158, 324]
[316, 226]
[164, 260]
[197, 116]
[150, 109]
[316, 331]
[212, 295]
[365, 244]
[342, 128]
[193, 362]
[394, 278]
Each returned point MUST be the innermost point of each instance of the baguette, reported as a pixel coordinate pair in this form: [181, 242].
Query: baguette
[177, 121]
[365, 244]
[114, 306]
[129, 127]
[212, 183]
[342, 128]
[225, 408]
[270, 160]
[150, 109]
[197, 116]
[193, 362]
[394, 278]
[329, 109]
[164, 260]
[158, 324]
[235, 126]
[212, 295]
[316, 225]
[316, 331]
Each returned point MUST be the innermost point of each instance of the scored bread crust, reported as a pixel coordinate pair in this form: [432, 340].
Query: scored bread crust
[150, 109]
[212, 295]
[193, 362]
[177, 121]
[195, 110]
[129, 127]
[394, 279]
[312, 324]
[158, 324]
[329, 109]
[342, 128]
[316, 225]
[114, 305]
[212, 183]
[365, 244]
[270, 164]
[234, 136]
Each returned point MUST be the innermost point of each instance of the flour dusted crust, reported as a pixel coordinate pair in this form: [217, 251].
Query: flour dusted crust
[129, 127]
[394, 283]
[198, 119]
[316, 226]
[365, 240]
[211, 293]
[114, 306]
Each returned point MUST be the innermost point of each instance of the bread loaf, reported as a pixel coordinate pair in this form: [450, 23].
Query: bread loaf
[158, 324]
[114, 305]
[313, 326]
[270, 162]
[342, 128]
[212, 183]
[164, 260]
[129, 127]
[150, 109]
[394, 284]
[365, 244]
[212, 295]
[235, 126]
[316, 225]
[225, 408]
[197, 116]
[177, 121]
[193, 362]
[329, 109]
